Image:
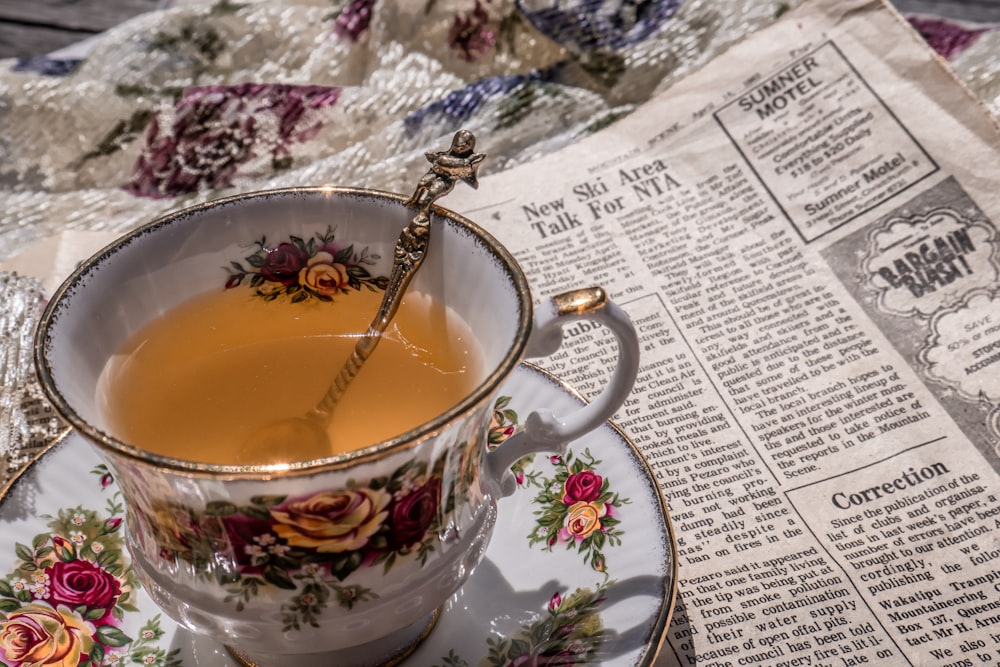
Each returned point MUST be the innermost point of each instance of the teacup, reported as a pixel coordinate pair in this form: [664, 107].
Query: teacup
[341, 560]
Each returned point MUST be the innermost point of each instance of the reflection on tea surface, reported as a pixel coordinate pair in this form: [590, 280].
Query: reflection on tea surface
[198, 382]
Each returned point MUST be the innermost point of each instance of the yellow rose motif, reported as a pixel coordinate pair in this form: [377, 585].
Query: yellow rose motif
[36, 635]
[583, 519]
[332, 521]
[323, 275]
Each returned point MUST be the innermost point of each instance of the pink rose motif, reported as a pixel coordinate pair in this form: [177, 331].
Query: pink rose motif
[332, 521]
[414, 514]
[80, 582]
[498, 434]
[582, 520]
[42, 636]
[324, 276]
[64, 549]
[584, 486]
[283, 264]
[600, 564]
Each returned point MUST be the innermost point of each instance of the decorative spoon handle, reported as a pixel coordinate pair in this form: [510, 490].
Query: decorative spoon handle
[459, 163]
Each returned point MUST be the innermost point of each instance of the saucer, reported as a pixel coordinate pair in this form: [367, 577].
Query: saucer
[563, 581]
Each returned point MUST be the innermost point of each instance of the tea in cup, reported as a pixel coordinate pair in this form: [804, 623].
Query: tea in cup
[232, 365]
[170, 346]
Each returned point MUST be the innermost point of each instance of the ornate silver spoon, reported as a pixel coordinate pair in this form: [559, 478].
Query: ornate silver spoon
[309, 432]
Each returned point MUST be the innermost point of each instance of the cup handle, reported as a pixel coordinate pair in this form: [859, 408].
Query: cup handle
[543, 431]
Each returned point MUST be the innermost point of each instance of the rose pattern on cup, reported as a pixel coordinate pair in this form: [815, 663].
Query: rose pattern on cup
[64, 602]
[316, 268]
[310, 544]
[568, 632]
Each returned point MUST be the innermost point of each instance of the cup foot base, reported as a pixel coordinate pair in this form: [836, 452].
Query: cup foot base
[384, 652]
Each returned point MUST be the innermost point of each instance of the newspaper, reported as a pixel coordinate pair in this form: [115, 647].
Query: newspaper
[803, 233]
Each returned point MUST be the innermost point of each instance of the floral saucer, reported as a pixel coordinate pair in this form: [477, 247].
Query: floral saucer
[581, 569]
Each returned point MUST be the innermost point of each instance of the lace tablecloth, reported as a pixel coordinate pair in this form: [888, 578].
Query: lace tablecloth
[206, 99]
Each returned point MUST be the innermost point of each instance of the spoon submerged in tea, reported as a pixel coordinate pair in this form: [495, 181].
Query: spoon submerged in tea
[309, 433]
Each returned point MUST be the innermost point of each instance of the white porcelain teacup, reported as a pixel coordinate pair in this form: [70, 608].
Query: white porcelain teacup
[354, 553]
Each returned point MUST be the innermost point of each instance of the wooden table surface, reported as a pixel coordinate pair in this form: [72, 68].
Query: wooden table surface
[36, 27]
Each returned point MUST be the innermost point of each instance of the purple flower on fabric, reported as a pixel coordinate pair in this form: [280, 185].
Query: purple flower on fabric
[458, 106]
[354, 19]
[471, 34]
[592, 25]
[215, 129]
[946, 38]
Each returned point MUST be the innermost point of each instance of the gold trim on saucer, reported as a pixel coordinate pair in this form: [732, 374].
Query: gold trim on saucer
[658, 635]
[10, 483]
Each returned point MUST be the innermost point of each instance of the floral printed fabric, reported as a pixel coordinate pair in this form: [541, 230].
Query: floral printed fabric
[948, 38]
[218, 96]
[213, 131]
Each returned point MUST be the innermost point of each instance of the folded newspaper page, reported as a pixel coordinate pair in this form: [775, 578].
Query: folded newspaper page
[803, 232]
